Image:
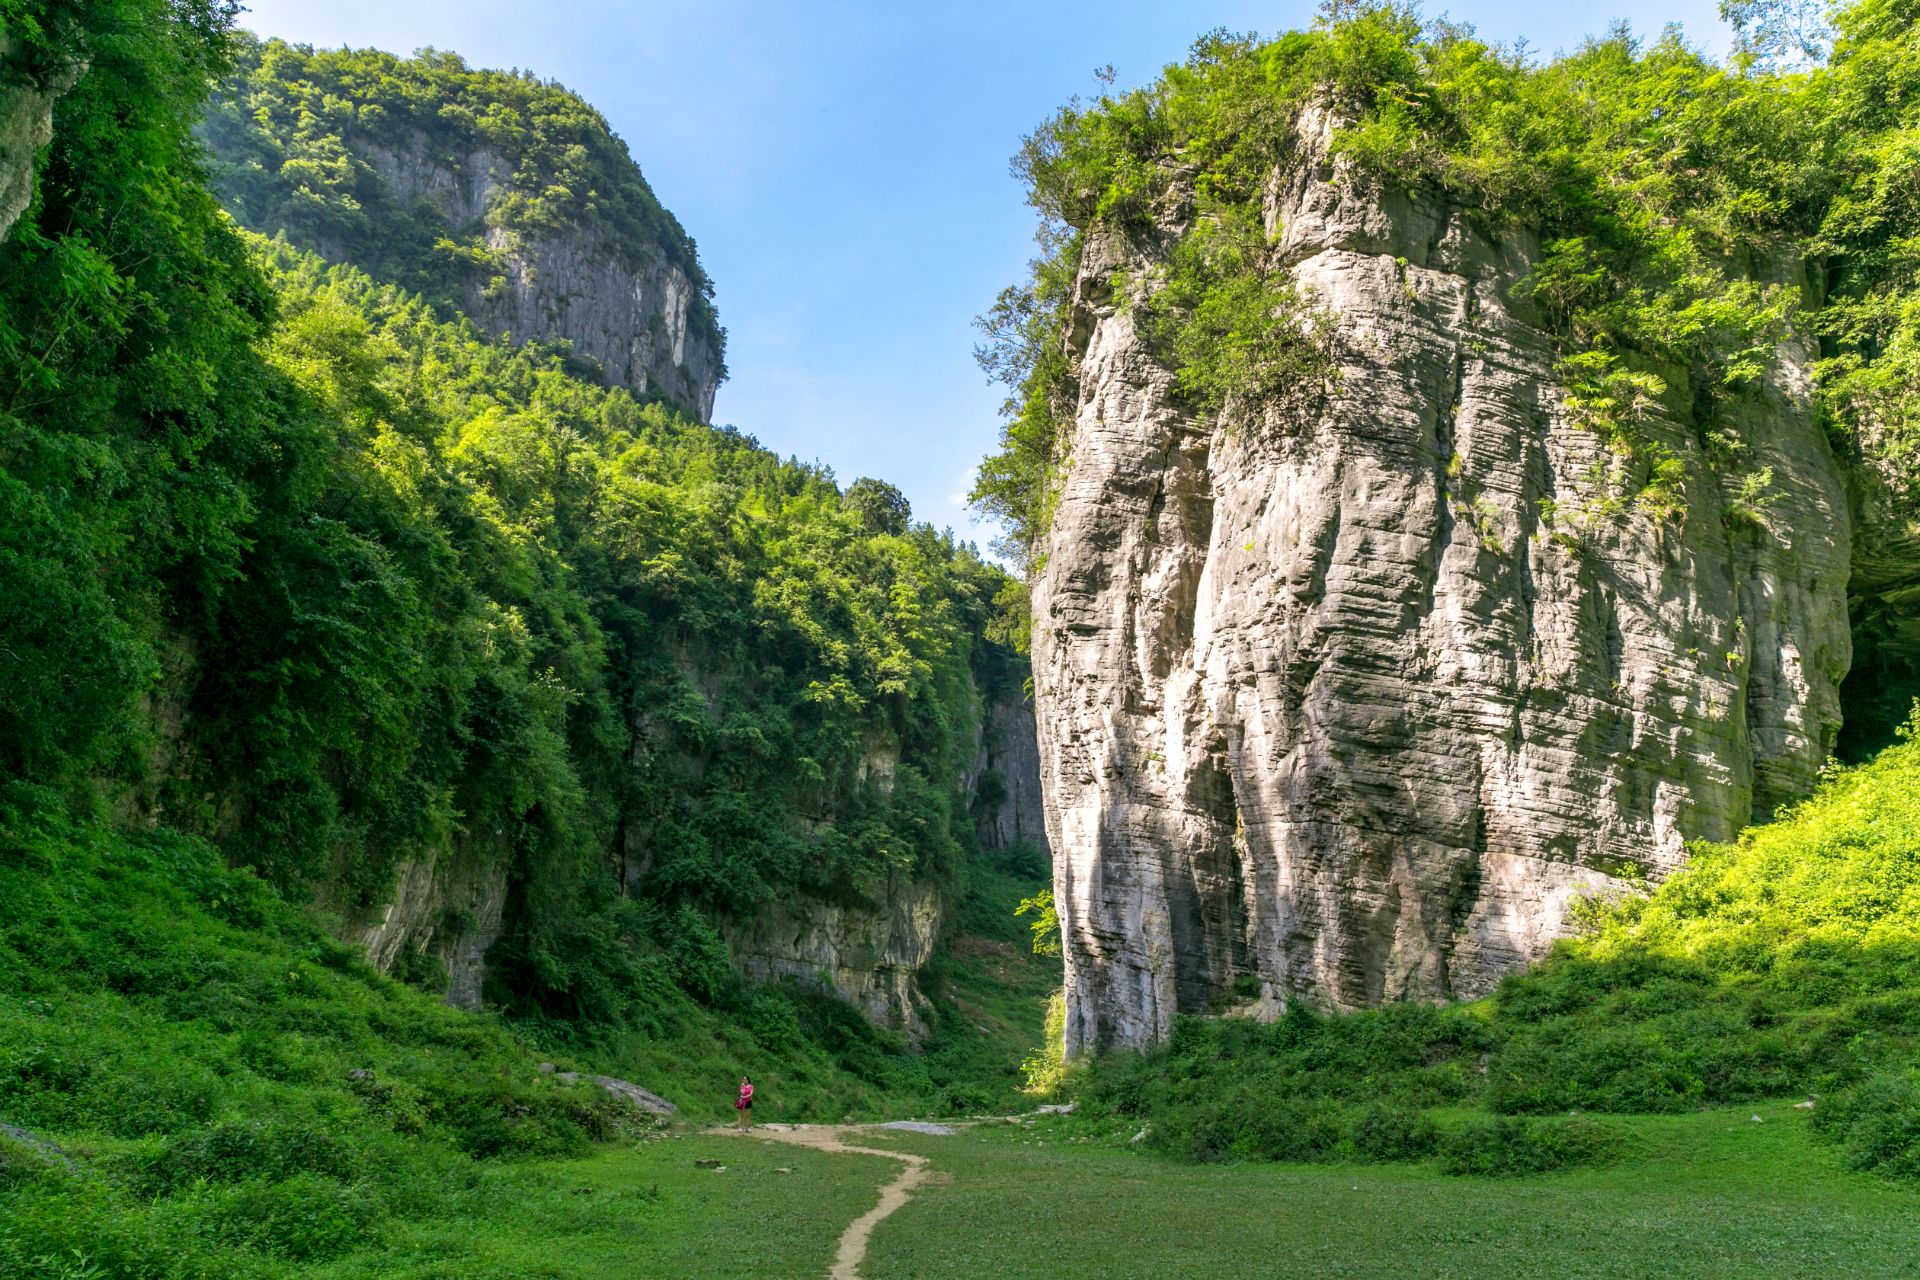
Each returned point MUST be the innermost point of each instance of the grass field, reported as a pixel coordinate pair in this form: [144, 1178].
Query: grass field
[641, 1212]
[1708, 1195]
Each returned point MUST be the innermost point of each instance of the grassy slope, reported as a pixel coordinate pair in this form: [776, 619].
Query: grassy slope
[241, 1095]
[991, 990]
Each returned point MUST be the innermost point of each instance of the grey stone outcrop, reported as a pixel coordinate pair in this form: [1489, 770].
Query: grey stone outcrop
[629, 312]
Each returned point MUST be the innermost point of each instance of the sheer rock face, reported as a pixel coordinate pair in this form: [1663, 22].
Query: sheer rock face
[628, 312]
[1005, 779]
[448, 907]
[1322, 702]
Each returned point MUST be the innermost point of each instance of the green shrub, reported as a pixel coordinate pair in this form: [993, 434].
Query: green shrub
[498, 1117]
[1277, 1129]
[697, 956]
[1508, 1145]
[241, 1150]
[1388, 1134]
[1877, 1123]
[773, 1019]
[307, 1217]
[20, 1162]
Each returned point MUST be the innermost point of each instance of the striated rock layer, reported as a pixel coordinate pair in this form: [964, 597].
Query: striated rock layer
[1008, 805]
[447, 906]
[1321, 701]
[869, 954]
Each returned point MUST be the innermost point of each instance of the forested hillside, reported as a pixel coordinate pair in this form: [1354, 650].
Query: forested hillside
[534, 682]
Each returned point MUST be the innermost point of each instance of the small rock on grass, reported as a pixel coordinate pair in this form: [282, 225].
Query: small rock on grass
[783, 1169]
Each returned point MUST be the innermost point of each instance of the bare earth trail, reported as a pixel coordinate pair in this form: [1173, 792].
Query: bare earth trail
[893, 1196]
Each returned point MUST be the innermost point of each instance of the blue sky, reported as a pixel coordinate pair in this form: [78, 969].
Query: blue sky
[843, 167]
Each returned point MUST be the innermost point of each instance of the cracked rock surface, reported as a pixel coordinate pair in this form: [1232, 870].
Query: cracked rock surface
[1323, 704]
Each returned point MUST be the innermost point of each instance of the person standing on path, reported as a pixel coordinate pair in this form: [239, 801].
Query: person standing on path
[743, 1105]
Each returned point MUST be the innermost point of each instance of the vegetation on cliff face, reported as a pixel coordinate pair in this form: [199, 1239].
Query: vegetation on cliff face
[1677, 201]
[292, 127]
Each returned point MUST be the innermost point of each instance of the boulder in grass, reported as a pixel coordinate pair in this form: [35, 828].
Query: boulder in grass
[642, 1099]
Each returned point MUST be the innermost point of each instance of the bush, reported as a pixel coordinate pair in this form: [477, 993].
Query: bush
[20, 1163]
[1246, 1125]
[1388, 1134]
[1509, 1146]
[1877, 1124]
[503, 1117]
[307, 1217]
[1292, 1129]
[773, 1020]
[240, 1150]
[696, 955]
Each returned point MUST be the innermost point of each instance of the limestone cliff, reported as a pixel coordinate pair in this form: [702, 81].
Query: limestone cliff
[500, 195]
[870, 954]
[1004, 783]
[1324, 703]
[631, 312]
[447, 907]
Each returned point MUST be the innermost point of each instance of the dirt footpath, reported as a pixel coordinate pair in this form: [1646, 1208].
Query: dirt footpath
[832, 1137]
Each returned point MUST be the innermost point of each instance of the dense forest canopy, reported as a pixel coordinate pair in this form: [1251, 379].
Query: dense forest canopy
[1661, 185]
